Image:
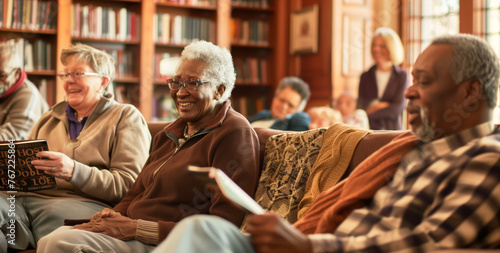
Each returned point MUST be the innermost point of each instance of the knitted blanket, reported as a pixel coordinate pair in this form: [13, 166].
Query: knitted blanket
[287, 162]
[334, 205]
[339, 143]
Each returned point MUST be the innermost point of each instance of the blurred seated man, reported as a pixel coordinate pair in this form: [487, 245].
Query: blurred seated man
[323, 116]
[346, 104]
[21, 104]
[289, 100]
[443, 194]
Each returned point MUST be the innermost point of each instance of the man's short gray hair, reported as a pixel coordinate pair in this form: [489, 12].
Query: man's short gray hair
[473, 58]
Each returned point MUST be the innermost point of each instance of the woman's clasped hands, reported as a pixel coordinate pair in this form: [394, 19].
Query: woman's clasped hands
[111, 223]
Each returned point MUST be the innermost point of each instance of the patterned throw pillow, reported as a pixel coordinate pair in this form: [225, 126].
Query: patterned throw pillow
[287, 162]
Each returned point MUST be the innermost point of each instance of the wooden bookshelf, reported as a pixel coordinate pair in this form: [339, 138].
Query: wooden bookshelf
[175, 24]
[253, 44]
[140, 85]
[32, 28]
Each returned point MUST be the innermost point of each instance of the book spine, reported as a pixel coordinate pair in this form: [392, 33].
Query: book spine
[112, 24]
[8, 18]
[34, 15]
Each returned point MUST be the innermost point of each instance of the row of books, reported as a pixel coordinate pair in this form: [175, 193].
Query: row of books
[124, 61]
[251, 3]
[89, 21]
[164, 108]
[28, 14]
[176, 29]
[247, 106]
[249, 31]
[122, 94]
[35, 55]
[251, 70]
[190, 2]
[43, 87]
[165, 65]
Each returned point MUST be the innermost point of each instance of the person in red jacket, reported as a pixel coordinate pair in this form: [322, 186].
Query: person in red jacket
[21, 104]
[207, 133]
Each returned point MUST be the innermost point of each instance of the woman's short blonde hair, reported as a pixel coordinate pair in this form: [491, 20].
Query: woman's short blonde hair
[392, 42]
[102, 63]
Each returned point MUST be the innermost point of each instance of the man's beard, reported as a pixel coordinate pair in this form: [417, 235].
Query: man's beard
[426, 131]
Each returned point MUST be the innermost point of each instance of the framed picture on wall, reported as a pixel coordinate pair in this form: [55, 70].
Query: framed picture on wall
[304, 31]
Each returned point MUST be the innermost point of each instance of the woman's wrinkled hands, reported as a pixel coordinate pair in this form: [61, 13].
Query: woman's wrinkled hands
[55, 164]
[111, 223]
[271, 233]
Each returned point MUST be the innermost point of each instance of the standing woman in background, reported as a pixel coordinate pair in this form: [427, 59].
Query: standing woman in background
[381, 88]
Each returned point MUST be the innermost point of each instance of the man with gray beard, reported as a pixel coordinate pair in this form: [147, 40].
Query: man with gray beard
[444, 194]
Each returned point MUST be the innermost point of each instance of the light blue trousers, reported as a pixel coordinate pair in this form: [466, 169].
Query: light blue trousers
[207, 234]
[36, 217]
[66, 239]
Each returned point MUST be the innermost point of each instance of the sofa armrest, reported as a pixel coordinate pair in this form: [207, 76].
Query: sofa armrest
[368, 145]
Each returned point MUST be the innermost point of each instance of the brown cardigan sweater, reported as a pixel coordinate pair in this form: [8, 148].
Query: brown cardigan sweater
[160, 199]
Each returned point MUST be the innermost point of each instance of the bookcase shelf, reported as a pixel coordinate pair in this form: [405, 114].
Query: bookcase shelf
[29, 31]
[115, 27]
[176, 24]
[31, 27]
[124, 79]
[250, 46]
[140, 84]
[126, 42]
[171, 45]
[250, 8]
[186, 6]
[49, 73]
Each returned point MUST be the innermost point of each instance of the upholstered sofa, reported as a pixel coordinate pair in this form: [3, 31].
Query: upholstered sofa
[281, 151]
[286, 158]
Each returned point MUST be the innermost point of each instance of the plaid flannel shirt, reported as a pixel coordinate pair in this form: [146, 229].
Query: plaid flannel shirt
[445, 194]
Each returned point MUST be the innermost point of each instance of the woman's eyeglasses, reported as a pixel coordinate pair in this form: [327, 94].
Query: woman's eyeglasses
[75, 75]
[189, 84]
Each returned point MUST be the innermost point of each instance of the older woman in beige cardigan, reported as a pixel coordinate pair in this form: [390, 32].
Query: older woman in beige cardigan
[97, 149]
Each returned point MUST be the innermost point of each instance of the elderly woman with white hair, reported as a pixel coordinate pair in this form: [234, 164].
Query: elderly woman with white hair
[208, 132]
[97, 149]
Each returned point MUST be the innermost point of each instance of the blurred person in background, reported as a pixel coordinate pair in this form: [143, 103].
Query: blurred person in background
[289, 101]
[323, 116]
[346, 105]
[382, 87]
[21, 104]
